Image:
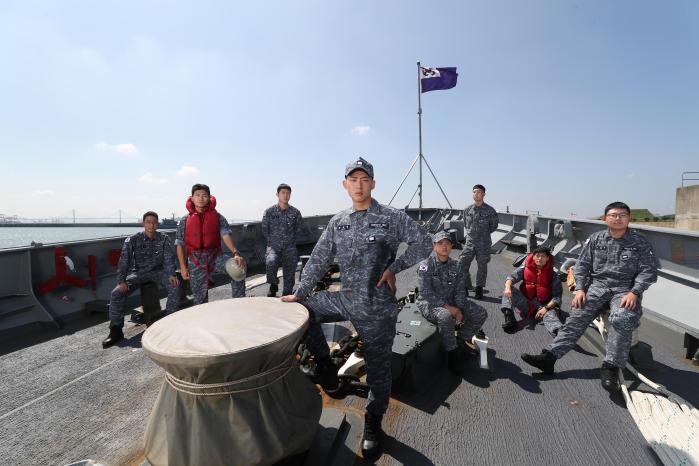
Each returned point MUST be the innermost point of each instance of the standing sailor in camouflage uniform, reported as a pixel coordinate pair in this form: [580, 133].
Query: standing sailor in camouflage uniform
[480, 220]
[280, 225]
[614, 269]
[443, 301]
[364, 239]
[199, 237]
[148, 256]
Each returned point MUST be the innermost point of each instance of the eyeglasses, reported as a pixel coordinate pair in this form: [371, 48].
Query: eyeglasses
[619, 216]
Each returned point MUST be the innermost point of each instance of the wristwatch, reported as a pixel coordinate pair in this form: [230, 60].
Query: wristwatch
[636, 293]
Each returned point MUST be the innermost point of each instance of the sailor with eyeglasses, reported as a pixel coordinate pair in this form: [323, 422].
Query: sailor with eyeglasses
[615, 267]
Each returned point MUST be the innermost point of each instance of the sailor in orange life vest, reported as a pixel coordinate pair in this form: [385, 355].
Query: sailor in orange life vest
[539, 295]
[199, 236]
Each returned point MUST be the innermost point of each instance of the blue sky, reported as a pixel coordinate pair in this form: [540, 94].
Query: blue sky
[561, 106]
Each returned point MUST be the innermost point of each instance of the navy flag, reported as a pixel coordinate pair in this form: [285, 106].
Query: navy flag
[435, 79]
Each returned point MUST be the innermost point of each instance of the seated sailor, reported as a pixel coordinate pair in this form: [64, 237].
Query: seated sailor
[539, 295]
[615, 267]
[442, 300]
[148, 256]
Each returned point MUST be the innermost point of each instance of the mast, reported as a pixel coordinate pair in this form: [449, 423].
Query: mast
[420, 157]
[419, 126]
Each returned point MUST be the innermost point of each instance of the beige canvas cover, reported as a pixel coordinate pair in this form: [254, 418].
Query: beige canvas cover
[233, 394]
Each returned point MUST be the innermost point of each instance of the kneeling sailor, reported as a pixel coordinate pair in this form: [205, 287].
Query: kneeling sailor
[443, 301]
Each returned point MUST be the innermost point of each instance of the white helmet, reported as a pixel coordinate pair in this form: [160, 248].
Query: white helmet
[236, 272]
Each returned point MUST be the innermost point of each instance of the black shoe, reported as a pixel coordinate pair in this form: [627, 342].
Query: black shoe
[479, 292]
[468, 349]
[326, 376]
[543, 361]
[609, 376]
[510, 324]
[115, 334]
[272, 291]
[455, 360]
[371, 440]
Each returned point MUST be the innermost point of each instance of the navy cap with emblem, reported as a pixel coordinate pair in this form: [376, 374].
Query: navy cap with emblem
[439, 236]
[360, 164]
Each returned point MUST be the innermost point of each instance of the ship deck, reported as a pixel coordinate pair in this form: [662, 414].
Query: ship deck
[63, 398]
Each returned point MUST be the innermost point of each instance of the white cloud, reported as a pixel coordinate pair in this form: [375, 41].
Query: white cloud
[360, 130]
[126, 149]
[188, 170]
[150, 179]
[42, 193]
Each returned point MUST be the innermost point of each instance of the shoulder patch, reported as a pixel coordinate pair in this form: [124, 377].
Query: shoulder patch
[127, 239]
[423, 267]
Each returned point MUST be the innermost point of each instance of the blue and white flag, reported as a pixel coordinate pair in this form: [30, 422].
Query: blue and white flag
[435, 79]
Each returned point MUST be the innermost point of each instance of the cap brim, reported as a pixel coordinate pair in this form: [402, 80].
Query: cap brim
[349, 172]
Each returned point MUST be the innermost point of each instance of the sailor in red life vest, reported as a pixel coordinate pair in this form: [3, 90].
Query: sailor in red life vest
[539, 295]
[199, 236]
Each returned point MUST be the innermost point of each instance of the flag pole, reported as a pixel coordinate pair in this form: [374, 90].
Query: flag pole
[419, 125]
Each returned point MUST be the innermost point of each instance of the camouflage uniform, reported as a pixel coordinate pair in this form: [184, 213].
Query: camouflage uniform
[552, 319]
[144, 260]
[280, 227]
[607, 270]
[443, 283]
[198, 277]
[364, 244]
[479, 223]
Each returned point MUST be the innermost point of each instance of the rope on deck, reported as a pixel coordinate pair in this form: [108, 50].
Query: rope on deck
[669, 423]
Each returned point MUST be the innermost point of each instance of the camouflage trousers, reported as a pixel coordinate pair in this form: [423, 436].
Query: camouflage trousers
[552, 319]
[377, 337]
[288, 258]
[482, 256]
[198, 280]
[135, 280]
[622, 323]
[474, 317]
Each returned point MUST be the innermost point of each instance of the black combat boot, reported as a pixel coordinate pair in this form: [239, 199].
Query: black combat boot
[510, 324]
[371, 440]
[609, 376]
[115, 334]
[479, 292]
[543, 361]
[455, 360]
[326, 376]
[273, 288]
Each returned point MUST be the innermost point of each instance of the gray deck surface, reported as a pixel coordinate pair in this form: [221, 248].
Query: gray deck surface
[63, 399]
